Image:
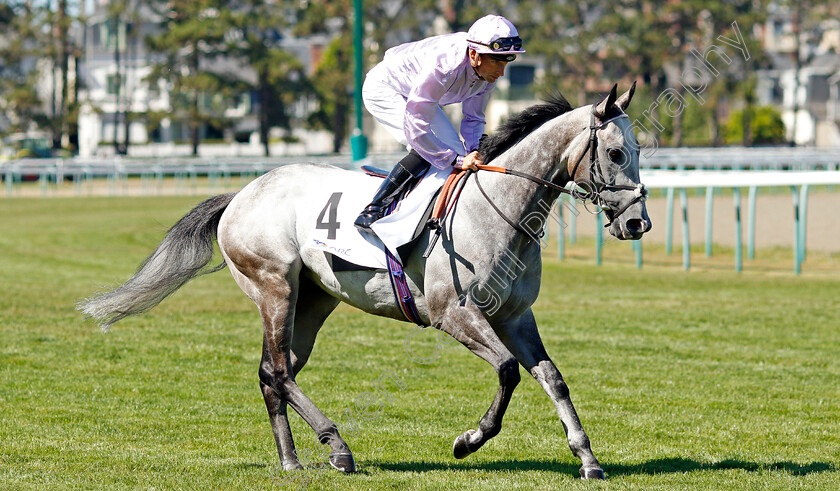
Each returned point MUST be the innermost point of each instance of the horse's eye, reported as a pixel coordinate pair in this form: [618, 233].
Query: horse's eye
[615, 154]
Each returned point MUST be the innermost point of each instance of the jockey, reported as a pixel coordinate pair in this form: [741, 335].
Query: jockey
[406, 90]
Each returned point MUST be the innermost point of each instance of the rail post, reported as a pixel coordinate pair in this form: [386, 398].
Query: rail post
[737, 198]
[686, 241]
[751, 222]
[710, 193]
[669, 219]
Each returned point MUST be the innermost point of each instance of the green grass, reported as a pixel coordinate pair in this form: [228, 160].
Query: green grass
[698, 380]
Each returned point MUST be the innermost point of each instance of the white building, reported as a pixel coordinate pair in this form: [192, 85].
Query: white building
[810, 103]
[109, 109]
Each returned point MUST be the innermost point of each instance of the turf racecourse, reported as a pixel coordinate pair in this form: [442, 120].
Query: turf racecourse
[700, 380]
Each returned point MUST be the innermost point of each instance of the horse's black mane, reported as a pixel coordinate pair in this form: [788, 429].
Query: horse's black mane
[519, 125]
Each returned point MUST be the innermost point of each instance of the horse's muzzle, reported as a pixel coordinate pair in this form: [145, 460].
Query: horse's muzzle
[632, 224]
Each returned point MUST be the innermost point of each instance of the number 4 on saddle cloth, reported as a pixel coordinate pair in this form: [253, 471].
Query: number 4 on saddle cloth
[335, 233]
[339, 203]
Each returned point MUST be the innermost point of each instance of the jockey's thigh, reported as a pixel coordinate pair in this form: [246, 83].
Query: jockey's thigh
[388, 108]
[386, 105]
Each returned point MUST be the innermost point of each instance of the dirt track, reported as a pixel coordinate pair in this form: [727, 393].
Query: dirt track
[773, 220]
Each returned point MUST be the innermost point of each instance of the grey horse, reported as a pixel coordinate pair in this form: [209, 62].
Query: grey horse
[477, 284]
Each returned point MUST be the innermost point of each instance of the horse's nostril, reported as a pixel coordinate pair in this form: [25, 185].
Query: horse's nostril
[634, 225]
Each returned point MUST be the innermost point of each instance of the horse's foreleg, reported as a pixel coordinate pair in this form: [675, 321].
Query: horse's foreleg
[468, 326]
[523, 340]
[552, 382]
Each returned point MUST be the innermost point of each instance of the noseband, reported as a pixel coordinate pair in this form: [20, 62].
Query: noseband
[596, 175]
[597, 180]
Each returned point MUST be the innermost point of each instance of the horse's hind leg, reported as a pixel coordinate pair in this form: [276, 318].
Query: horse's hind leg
[470, 328]
[277, 415]
[275, 289]
[523, 340]
[312, 308]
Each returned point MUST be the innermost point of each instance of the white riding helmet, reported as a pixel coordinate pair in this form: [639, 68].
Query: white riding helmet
[493, 34]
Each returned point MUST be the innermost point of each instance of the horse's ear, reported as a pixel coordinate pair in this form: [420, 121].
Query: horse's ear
[624, 100]
[601, 109]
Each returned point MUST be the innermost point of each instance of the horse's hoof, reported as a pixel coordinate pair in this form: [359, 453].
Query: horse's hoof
[459, 448]
[343, 462]
[592, 473]
[291, 465]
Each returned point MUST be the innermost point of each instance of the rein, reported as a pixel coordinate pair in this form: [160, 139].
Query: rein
[597, 180]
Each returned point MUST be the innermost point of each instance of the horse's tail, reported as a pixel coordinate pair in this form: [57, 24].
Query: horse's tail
[181, 256]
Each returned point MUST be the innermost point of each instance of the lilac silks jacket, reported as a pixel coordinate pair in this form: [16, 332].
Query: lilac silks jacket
[436, 72]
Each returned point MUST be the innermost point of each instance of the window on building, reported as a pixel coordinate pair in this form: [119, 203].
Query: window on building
[777, 92]
[213, 133]
[111, 84]
[521, 78]
[111, 33]
[178, 132]
[818, 90]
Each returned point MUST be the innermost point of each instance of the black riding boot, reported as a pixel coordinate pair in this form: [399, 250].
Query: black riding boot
[385, 195]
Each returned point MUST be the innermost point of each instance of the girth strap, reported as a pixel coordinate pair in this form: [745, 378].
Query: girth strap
[405, 300]
[399, 284]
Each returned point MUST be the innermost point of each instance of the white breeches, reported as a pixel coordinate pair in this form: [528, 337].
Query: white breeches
[388, 107]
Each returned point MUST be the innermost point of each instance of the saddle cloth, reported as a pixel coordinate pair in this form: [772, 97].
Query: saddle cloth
[335, 233]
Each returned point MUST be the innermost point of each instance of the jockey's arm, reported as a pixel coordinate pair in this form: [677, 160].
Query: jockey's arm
[473, 122]
[422, 104]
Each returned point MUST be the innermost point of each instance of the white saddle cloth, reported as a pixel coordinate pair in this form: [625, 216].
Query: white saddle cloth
[335, 233]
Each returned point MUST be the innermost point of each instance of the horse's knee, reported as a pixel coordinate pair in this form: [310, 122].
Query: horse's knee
[509, 373]
[554, 383]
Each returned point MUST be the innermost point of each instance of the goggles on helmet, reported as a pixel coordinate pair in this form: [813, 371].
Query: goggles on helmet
[503, 44]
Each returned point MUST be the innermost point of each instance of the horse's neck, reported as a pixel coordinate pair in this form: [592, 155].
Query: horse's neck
[542, 154]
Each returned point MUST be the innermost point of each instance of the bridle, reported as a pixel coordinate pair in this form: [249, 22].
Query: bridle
[596, 176]
[596, 181]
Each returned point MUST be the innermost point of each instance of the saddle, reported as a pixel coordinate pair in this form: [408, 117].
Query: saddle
[446, 197]
[439, 207]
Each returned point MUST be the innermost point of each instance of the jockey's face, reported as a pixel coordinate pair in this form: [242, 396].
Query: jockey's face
[488, 68]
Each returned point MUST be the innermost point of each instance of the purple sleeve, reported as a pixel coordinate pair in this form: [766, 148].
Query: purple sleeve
[472, 126]
[421, 106]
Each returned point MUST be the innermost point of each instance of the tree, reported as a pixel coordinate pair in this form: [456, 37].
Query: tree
[333, 78]
[653, 39]
[116, 11]
[765, 125]
[331, 82]
[124, 18]
[565, 35]
[279, 75]
[806, 17]
[20, 49]
[736, 83]
[192, 34]
[60, 48]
